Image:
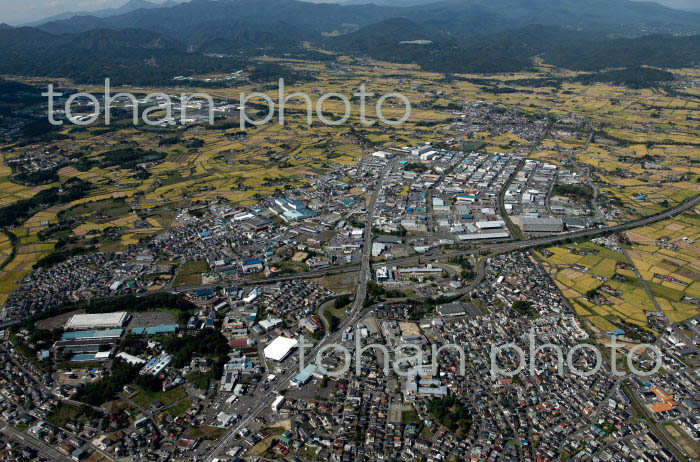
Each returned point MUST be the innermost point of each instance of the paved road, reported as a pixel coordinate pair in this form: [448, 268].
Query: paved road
[514, 230]
[355, 313]
[365, 270]
[491, 248]
[560, 238]
[283, 383]
[46, 451]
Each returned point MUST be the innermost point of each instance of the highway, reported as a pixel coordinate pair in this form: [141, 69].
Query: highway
[486, 249]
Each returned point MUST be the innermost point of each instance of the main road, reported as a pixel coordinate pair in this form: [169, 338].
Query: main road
[355, 313]
[365, 266]
[495, 248]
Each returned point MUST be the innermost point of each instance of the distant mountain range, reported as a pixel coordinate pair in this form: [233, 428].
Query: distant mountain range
[460, 17]
[131, 5]
[448, 36]
[385, 2]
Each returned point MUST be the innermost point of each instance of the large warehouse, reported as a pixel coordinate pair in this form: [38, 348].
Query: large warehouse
[543, 225]
[280, 348]
[97, 321]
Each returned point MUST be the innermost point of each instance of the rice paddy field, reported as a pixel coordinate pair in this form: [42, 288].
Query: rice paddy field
[643, 157]
[667, 257]
[15, 267]
[579, 269]
[271, 155]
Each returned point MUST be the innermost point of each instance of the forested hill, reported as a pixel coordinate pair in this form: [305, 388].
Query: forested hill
[153, 45]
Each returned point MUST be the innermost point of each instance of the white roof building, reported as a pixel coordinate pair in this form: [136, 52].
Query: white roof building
[277, 403]
[271, 323]
[383, 154]
[280, 348]
[477, 237]
[97, 321]
[490, 224]
[378, 248]
[224, 418]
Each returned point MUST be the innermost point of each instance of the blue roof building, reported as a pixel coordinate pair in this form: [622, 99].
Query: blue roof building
[155, 330]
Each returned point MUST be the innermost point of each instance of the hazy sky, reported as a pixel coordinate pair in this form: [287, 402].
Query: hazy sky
[20, 11]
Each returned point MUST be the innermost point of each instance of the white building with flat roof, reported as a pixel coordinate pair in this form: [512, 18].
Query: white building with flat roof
[383, 155]
[277, 403]
[490, 224]
[478, 237]
[97, 320]
[280, 348]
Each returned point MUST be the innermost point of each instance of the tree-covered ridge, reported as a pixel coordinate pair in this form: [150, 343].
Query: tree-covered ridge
[154, 46]
[125, 56]
[512, 51]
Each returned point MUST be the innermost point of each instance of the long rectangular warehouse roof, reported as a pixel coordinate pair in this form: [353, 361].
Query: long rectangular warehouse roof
[92, 334]
[97, 320]
[476, 237]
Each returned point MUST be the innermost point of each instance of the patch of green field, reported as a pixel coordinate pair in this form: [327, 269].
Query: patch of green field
[180, 408]
[145, 398]
[99, 211]
[409, 417]
[190, 273]
[206, 432]
[199, 379]
[666, 292]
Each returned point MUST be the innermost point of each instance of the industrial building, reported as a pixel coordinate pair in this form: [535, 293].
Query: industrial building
[88, 341]
[384, 274]
[89, 357]
[228, 381]
[490, 224]
[291, 209]
[542, 225]
[479, 237]
[254, 265]
[155, 330]
[97, 320]
[92, 334]
[414, 270]
[269, 324]
[280, 348]
[451, 309]
[383, 155]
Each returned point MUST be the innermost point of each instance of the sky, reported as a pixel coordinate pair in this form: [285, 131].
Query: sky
[16, 12]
